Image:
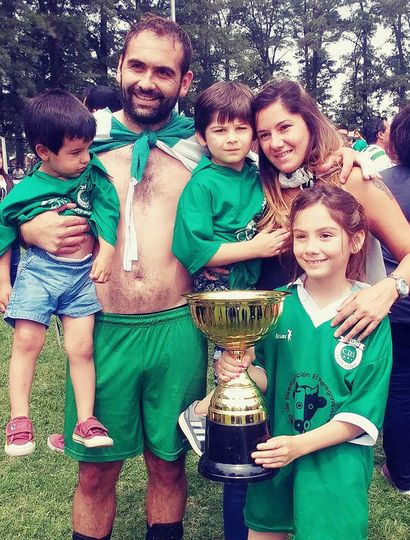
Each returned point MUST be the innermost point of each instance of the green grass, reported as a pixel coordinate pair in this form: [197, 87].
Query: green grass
[35, 492]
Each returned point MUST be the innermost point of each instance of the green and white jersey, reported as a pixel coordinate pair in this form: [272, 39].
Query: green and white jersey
[314, 377]
[219, 205]
[378, 156]
[95, 197]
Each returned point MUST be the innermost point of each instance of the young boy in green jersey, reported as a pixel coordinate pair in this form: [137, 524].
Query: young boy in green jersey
[218, 211]
[326, 396]
[60, 130]
[216, 220]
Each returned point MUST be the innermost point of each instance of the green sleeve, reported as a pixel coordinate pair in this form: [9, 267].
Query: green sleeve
[8, 228]
[194, 243]
[105, 209]
[371, 379]
[7, 236]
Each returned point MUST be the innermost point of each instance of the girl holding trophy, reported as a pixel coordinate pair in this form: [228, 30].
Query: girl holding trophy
[326, 396]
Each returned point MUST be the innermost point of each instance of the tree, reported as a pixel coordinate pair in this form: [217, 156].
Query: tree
[361, 65]
[395, 14]
[267, 28]
[316, 25]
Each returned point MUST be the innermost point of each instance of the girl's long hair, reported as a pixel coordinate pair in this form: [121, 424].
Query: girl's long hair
[324, 139]
[346, 211]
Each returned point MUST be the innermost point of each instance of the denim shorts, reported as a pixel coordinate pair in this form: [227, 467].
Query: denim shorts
[45, 286]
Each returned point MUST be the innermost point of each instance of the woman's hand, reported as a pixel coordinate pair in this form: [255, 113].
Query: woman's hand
[60, 235]
[363, 310]
[228, 367]
[278, 451]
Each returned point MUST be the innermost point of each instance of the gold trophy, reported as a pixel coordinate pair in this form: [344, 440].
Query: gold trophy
[237, 417]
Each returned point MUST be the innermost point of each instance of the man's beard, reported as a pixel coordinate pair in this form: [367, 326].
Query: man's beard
[149, 115]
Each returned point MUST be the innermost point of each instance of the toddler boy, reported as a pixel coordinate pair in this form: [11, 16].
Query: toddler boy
[59, 130]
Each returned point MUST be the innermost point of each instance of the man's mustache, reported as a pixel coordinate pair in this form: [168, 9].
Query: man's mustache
[145, 94]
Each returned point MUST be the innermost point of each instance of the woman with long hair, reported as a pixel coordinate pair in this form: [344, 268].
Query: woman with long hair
[295, 139]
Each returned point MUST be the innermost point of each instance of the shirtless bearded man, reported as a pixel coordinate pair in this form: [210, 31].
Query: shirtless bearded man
[150, 361]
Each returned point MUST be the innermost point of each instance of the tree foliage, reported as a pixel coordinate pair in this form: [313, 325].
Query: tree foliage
[75, 43]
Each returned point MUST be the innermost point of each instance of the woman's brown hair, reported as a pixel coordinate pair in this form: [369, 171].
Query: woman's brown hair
[324, 139]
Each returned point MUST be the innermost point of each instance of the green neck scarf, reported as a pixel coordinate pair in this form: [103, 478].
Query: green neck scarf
[178, 127]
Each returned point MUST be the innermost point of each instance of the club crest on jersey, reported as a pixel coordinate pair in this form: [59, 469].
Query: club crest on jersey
[349, 355]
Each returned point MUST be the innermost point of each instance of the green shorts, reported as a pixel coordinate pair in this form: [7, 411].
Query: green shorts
[149, 368]
[321, 496]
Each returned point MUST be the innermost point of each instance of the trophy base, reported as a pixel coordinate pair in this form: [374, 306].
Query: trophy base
[233, 474]
[227, 456]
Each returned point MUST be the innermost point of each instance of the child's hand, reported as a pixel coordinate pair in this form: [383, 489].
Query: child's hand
[229, 368]
[278, 451]
[103, 255]
[268, 242]
[5, 291]
[209, 272]
[101, 269]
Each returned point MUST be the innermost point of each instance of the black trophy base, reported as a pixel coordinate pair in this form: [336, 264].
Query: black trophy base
[227, 456]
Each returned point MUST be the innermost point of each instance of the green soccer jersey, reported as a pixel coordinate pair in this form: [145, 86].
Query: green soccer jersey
[218, 205]
[314, 377]
[92, 192]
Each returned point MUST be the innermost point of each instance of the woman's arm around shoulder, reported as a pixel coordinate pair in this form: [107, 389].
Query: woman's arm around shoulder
[386, 220]
[363, 310]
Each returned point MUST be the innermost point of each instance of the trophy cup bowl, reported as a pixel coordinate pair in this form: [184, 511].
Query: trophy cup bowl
[237, 417]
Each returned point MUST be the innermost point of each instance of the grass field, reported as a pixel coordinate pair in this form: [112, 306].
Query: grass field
[35, 492]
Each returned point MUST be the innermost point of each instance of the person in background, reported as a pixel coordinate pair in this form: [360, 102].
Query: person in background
[360, 144]
[6, 185]
[396, 431]
[376, 131]
[99, 97]
[18, 173]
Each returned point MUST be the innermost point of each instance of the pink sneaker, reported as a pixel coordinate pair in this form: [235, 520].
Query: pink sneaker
[56, 442]
[92, 434]
[19, 437]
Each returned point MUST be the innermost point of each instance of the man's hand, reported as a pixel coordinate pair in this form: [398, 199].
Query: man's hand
[347, 157]
[5, 292]
[60, 235]
[278, 451]
[369, 170]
